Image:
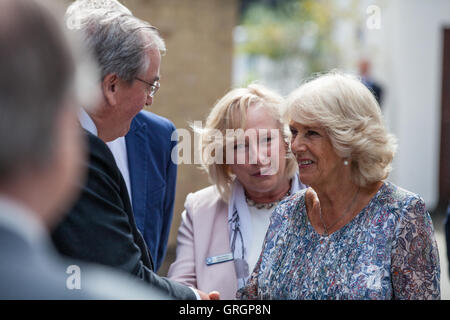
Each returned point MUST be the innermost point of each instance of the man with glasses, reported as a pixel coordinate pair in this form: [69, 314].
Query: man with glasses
[144, 159]
[101, 226]
[152, 87]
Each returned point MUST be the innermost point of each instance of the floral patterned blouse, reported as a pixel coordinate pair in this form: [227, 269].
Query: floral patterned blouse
[388, 251]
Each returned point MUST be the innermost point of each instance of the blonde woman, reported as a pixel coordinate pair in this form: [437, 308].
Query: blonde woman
[223, 226]
[352, 235]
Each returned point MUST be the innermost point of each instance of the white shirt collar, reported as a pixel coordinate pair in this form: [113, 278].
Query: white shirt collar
[86, 122]
[118, 148]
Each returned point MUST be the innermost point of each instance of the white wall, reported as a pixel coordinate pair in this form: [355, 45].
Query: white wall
[406, 56]
[410, 63]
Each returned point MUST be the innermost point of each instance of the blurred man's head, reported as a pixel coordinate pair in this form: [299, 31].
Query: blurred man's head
[40, 143]
[128, 51]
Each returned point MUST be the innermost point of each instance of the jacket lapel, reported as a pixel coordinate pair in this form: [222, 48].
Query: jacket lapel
[135, 140]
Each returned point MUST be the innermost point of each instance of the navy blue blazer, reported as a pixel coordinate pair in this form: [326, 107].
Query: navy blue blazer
[153, 179]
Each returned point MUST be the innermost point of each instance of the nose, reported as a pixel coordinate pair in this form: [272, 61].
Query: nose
[149, 101]
[262, 157]
[298, 145]
[261, 154]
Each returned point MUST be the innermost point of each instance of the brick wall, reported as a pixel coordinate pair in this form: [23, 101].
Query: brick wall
[195, 72]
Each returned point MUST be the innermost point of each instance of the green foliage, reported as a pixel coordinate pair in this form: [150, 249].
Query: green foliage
[297, 28]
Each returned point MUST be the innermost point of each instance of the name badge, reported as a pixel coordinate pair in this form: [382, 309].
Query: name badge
[219, 259]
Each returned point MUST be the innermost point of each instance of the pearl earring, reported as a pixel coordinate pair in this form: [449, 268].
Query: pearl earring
[345, 163]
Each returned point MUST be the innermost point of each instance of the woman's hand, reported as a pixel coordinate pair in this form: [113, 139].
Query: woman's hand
[213, 295]
[312, 202]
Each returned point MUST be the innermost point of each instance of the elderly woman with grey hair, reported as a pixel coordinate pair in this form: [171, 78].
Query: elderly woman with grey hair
[245, 151]
[352, 234]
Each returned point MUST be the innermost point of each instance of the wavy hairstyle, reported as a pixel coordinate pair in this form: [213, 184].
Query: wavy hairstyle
[348, 111]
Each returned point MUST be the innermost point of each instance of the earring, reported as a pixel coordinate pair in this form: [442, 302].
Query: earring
[345, 163]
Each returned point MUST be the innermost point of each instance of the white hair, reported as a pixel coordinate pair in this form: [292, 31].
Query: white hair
[89, 5]
[118, 39]
[351, 116]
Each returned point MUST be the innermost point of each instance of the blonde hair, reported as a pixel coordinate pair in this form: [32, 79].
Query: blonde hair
[351, 116]
[230, 112]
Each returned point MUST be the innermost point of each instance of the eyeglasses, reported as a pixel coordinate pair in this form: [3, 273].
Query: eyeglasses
[153, 87]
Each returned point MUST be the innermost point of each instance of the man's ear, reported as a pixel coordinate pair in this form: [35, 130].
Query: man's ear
[110, 85]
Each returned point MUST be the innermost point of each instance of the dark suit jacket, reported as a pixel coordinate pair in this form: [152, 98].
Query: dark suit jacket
[153, 179]
[100, 227]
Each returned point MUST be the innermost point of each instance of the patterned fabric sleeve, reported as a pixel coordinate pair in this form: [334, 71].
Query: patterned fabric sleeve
[250, 291]
[415, 259]
[276, 230]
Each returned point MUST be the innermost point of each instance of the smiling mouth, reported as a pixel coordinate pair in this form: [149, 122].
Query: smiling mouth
[305, 163]
[257, 174]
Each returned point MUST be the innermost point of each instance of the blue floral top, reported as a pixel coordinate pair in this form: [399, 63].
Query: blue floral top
[388, 251]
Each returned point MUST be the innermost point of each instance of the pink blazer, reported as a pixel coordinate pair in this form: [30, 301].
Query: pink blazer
[204, 233]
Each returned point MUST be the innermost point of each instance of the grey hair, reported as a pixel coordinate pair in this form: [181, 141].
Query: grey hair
[39, 74]
[118, 39]
[349, 112]
[110, 5]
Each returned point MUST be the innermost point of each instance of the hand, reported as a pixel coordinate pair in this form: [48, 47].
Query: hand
[213, 295]
[312, 200]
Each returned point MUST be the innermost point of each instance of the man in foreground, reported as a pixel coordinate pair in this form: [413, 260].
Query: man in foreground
[41, 154]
